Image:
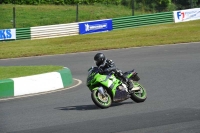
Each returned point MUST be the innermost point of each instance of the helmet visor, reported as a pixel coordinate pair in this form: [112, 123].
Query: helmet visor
[98, 63]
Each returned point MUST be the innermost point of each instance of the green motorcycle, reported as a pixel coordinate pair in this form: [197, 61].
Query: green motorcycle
[108, 89]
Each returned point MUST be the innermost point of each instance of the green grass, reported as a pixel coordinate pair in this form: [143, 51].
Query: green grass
[132, 37]
[18, 71]
[30, 15]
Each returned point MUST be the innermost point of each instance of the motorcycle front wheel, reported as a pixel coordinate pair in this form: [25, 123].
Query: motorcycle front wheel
[100, 100]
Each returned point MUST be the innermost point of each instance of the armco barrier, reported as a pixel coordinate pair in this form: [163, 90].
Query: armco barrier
[52, 31]
[35, 83]
[23, 33]
[141, 20]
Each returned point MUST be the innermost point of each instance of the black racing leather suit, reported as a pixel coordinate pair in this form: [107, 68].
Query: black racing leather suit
[109, 66]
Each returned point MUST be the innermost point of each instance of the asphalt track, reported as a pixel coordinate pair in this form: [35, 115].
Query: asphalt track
[170, 74]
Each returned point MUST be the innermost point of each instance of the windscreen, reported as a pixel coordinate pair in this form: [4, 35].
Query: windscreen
[91, 73]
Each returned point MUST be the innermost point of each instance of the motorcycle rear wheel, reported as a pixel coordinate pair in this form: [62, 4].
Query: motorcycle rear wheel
[101, 101]
[139, 95]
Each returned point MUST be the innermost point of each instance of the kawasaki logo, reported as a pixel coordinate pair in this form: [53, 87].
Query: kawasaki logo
[95, 27]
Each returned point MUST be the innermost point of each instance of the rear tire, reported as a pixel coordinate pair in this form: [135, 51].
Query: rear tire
[139, 95]
[102, 102]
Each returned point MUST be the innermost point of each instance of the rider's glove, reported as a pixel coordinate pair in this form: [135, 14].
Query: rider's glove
[112, 72]
[119, 72]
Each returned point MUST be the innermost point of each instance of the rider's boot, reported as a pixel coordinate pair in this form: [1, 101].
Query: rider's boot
[131, 88]
[130, 85]
[127, 81]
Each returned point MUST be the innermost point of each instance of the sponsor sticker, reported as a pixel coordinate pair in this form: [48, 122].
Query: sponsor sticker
[95, 26]
[7, 34]
[186, 15]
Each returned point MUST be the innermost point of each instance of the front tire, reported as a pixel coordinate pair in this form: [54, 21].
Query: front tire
[139, 95]
[101, 101]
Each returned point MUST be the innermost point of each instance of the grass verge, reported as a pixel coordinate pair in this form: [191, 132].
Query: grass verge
[19, 71]
[133, 37]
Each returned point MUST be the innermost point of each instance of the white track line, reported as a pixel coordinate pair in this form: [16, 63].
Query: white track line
[30, 95]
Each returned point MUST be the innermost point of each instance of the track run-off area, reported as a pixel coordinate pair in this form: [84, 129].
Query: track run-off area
[170, 74]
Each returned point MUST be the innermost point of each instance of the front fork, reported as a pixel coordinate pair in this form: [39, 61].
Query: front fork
[101, 90]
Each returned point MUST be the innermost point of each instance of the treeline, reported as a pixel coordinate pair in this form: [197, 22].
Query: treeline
[159, 5]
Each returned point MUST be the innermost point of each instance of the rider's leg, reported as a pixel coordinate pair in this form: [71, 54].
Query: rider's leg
[126, 80]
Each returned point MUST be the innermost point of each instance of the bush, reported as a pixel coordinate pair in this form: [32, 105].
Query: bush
[58, 2]
[172, 7]
[144, 5]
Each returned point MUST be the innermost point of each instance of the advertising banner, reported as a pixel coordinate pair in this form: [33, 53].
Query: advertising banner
[186, 15]
[95, 26]
[7, 34]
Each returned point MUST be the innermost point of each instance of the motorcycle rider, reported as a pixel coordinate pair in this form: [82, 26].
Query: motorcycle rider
[105, 66]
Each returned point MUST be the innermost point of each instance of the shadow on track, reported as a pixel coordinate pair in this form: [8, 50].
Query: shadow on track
[88, 107]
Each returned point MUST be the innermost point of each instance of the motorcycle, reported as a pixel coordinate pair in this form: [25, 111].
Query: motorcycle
[108, 88]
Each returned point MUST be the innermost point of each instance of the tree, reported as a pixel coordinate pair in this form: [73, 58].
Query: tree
[185, 4]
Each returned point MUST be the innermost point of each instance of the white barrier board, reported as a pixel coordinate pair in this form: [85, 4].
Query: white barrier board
[7, 34]
[186, 15]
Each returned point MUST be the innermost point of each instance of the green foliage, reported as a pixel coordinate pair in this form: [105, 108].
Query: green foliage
[172, 7]
[186, 3]
[71, 2]
[58, 2]
[153, 5]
